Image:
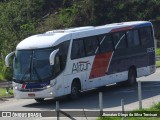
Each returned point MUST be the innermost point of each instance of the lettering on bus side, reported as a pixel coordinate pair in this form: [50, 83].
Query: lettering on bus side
[152, 49]
[80, 66]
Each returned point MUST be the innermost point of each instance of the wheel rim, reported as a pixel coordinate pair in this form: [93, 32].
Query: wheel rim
[132, 77]
[74, 91]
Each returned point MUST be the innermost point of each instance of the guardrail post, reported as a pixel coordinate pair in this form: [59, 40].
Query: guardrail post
[101, 103]
[122, 104]
[57, 109]
[140, 94]
[7, 90]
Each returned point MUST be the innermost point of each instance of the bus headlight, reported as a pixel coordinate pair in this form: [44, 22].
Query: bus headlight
[48, 86]
[52, 83]
[16, 87]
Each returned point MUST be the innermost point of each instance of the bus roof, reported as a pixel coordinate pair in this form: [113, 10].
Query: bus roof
[53, 38]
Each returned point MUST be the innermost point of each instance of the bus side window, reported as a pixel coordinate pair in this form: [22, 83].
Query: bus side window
[91, 45]
[105, 42]
[77, 49]
[145, 35]
[119, 39]
[133, 38]
[57, 66]
[61, 57]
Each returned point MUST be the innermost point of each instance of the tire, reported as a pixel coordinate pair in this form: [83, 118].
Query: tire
[39, 100]
[75, 91]
[131, 77]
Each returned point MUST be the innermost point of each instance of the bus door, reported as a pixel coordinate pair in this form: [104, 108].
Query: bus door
[84, 80]
[151, 59]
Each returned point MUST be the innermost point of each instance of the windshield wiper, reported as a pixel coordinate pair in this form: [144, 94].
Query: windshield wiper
[34, 69]
[18, 81]
[27, 71]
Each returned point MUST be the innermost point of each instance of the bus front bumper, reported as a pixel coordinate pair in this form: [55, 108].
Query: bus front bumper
[45, 93]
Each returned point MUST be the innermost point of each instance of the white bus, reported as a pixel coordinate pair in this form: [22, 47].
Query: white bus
[66, 62]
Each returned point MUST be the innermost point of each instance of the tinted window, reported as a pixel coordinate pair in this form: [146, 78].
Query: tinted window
[91, 45]
[145, 35]
[63, 51]
[61, 57]
[105, 43]
[77, 49]
[133, 38]
[119, 39]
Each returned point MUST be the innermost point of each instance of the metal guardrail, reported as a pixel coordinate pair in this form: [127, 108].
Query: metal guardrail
[7, 84]
[158, 58]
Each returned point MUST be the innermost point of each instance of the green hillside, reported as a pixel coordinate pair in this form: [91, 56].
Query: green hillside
[22, 18]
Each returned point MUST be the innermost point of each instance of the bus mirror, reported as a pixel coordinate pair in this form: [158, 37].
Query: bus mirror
[8, 58]
[52, 56]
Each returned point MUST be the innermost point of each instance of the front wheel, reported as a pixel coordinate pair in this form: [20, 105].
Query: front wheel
[39, 100]
[75, 90]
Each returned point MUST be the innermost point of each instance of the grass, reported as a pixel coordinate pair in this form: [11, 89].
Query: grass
[4, 94]
[130, 118]
[158, 52]
[2, 77]
[155, 108]
[157, 63]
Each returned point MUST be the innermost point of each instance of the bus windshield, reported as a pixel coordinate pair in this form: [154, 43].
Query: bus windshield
[32, 65]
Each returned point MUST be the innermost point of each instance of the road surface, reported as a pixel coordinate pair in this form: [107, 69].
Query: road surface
[88, 101]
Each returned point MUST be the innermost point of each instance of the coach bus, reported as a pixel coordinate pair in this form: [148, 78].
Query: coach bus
[69, 61]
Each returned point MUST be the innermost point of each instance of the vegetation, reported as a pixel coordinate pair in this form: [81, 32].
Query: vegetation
[158, 52]
[3, 92]
[157, 63]
[155, 108]
[22, 18]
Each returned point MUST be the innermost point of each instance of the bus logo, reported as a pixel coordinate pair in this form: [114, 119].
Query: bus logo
[80, 66]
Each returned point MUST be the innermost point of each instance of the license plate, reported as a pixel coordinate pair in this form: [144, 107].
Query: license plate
[31, 95]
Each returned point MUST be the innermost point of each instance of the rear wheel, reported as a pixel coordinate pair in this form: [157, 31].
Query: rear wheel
[131, 77]
[75, 90]
[39, 100]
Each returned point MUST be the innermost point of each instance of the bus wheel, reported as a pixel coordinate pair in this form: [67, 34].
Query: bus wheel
[39, 100]
[75, 90]
[131, 77]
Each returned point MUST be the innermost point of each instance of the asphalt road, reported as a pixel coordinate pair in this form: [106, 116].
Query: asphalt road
[112, 96]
